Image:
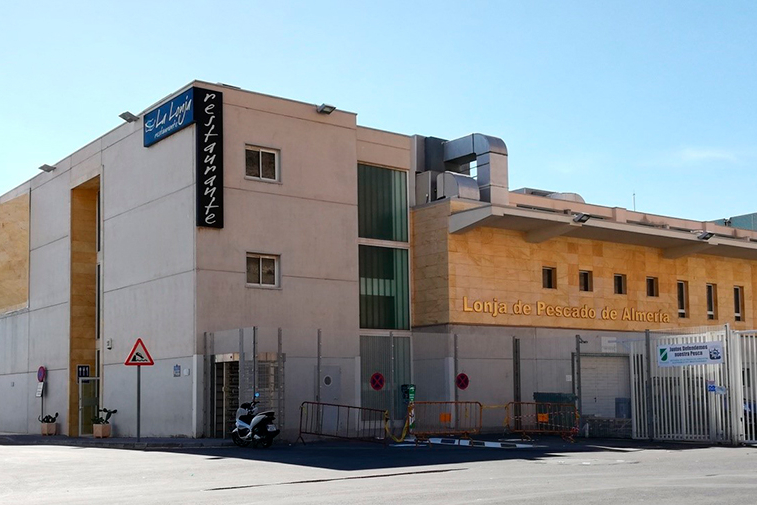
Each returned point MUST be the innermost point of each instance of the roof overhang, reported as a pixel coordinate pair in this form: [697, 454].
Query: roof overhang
[539, 226]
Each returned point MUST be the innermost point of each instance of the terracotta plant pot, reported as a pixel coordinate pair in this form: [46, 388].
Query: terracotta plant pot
[49, 429]
[101, 430]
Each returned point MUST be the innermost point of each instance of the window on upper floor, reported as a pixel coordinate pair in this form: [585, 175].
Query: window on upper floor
[738, 303]
[384, 288]
[653, 286]
[585, 280]
[712, 301]
[382, 204]
[549, 277]
[261, 163]
[619, 284]
[262, 270]
[683, 299]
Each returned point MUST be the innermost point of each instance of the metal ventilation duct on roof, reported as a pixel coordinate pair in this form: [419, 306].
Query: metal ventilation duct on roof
[449, 184]
[489, 153]
[570, 197]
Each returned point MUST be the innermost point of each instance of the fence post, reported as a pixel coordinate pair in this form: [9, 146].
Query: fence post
[207, 378]
[318, 370]
[254, 360]
[391, 378]
[457, 366]
[648, 383]
[516, 381]
[735, 383]
[579, 398]
[242, 369]
[280, 376]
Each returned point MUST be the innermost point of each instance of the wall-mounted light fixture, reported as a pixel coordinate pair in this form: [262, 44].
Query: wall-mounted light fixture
[325, 108]
[705, 235]
[128, 117]
[47, 168]
[581, 217]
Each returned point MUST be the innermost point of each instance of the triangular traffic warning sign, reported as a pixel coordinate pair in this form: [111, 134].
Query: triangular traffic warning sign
[139, 355]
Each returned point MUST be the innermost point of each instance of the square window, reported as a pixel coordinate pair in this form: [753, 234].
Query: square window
[585, 280]
[261, 163]
[653, 288]
[619, 282]
[262, 270]
[549, 277]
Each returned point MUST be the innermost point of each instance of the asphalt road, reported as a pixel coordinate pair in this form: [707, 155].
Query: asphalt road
[582, 473]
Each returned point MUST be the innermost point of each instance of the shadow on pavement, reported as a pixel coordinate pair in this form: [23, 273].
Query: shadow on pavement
[350, 456]
[354, 455]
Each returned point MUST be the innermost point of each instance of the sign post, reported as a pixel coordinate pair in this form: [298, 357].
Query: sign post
[139, 357]
[41, 374]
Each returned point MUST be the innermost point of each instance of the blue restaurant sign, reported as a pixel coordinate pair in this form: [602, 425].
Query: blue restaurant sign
[169, 118]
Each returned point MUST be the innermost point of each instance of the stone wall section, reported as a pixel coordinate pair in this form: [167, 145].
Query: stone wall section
[14, 254]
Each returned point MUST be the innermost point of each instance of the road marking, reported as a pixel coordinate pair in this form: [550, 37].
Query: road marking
[318, 481]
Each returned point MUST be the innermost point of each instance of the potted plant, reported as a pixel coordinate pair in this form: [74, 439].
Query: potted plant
[101, 425]
[49, 427]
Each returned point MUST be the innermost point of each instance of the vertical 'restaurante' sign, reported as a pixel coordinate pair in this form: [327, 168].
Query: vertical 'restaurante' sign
[209, 181]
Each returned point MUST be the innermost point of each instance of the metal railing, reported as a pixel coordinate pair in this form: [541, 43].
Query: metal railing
[446, 418]
[342, 421]
[530, 418]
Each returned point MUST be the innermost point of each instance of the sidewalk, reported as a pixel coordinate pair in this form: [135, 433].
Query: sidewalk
[145, 443]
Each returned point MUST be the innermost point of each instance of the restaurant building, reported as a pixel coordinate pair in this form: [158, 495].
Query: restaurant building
[219, 213]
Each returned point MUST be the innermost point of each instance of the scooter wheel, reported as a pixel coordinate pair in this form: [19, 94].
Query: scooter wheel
[238, 440]
[266, 442]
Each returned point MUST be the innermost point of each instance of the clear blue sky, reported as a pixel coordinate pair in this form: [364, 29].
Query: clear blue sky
[599, 98]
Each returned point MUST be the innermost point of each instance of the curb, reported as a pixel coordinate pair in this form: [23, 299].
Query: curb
[148, 444]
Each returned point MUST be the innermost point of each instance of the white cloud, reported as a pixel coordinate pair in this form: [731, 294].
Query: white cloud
[702, 155]
[687, 157]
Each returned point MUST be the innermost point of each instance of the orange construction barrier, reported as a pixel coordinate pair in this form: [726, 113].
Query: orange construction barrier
[528, 418]
[446, 418]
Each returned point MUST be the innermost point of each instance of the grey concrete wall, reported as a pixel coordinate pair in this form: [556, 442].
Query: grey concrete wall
[38, 336]
[14, 332]
[166, 401]
[148, 279]
[148, 260]
[309, 219]
[485, 355]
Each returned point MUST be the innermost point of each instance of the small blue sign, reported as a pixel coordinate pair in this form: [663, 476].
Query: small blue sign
[177, 370]
[169, 118]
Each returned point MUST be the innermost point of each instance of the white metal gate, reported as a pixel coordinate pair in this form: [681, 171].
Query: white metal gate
[708, 403]
[748, 341]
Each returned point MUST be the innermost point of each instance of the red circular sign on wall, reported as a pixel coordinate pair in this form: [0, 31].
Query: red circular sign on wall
[41, 373]
[377, 381]
[462, 381]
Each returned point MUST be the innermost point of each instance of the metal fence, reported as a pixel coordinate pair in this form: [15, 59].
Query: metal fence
[288, 366]
[699, 402]
[342, 421]
[748, 344]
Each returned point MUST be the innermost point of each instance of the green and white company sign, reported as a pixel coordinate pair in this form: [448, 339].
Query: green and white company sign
[698, 353]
